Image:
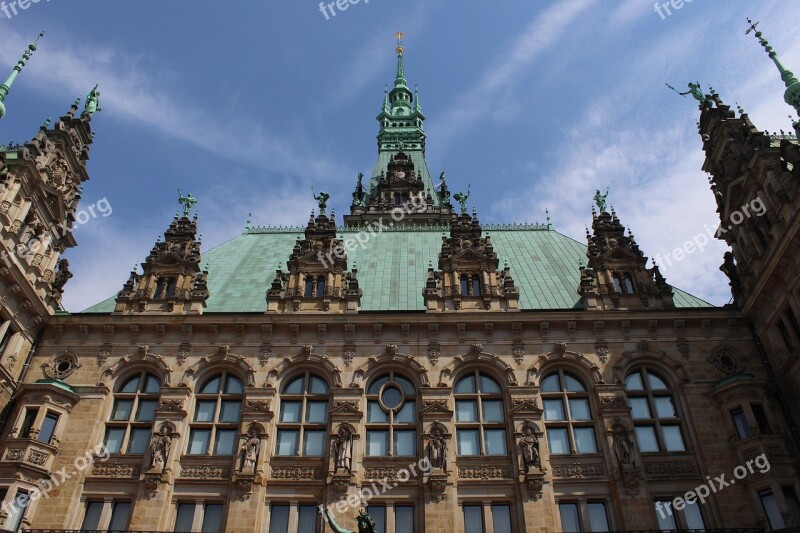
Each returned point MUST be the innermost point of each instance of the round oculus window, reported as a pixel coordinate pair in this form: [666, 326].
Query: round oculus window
[391, 396]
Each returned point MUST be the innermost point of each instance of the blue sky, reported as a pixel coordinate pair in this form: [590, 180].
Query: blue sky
[535, 104]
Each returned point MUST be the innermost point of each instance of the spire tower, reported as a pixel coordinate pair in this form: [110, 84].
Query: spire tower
[5, 87]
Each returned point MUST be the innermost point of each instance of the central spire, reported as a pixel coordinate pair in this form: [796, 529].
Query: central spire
[6, 86]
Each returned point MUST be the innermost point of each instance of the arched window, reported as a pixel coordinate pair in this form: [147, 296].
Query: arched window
[391, 416]
[303, 417]
[215, 425]
[131, 422]
[567, 414]
[480, 417]
[655, 415]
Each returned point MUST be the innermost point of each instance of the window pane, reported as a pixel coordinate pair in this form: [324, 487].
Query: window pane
[378, 443]
[489, 386]
[212, 518]
[376, 385]
[211, 386]
[495, 441]
[465, 385]
[406, 385]
[584, 440]
[598, 519]
[317, 386]
[225, 442]
[146, 411]
[290, 411]
[656, 383]
[120, 516]
[234, 385]
[205, 411]
[313, 443]
[114, 438]
[492, 410]
[466, 411]
[665, 408]
[316, 412]
[48, 428]
[151, 384]
[672, 438]
[557, 440]
[473, 519]
[694, 519]
[550, 384]
[230, 412]
[16, 513]
[198, 441]
[572, 384]
[468, 443]
[122, 410]
[288, 439]
[375, 413]
[554, 409]
[378, 514]
[501, 518]
[634, 382]
[392, 397]
[132, 385]
[295, 386]
[761, 418]
[579, 409]
[183, 523]
[405, 443]
[139, 439]
[404, 519]
[639, 408]
[646, 437]
[307, 521]
[665, 515]
[740, 421]
[91, 520]
[570, 521]
[406, 414]
[279, 519]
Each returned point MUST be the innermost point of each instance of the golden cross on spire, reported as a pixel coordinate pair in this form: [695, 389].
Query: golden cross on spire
[400, 36]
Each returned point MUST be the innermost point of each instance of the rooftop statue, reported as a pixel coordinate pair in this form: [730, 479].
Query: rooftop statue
[600, 200]
[462, 198]
[322, 200]
[187, 202]
[696, 92]
[92, 105]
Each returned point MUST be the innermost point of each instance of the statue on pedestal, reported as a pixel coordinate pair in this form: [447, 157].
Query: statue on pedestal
[364, 521]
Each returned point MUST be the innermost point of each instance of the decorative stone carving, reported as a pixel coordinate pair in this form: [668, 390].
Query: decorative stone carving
[114, 470]
[622, 446]
[160, 445]
[611, 403]
[437, 447]
[296, 473]
[62, 366]
[726, 360]
[601, 349]
[343, 449]
[249, 452]
[433, 356]
[347, 357]
[560, 348]
[483, 472]
[529, 447]
[205, 472]
[518, 353]
[578, 470]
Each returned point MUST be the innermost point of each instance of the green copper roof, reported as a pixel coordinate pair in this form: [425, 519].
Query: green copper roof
[392, 268]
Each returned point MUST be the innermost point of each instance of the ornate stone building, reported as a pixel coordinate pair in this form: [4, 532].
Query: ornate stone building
[444, 374]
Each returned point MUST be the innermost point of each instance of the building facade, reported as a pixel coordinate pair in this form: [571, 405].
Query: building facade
[443, 374]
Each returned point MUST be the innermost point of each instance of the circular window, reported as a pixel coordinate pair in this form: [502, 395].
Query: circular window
[391, 397]
[62, 366]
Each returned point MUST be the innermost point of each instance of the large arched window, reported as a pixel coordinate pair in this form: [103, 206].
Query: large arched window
[303, 417]
[480, 417]
[215, 424]
[567, 414]
[131, 422]
[655, 416]
[391, 416]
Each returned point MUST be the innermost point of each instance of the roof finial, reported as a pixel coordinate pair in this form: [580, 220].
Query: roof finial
[6, 86]
[401, 73]
[792, 94]
[92, 105]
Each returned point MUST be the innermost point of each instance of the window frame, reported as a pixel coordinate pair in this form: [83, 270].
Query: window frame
[568, 422]
[655, 421]
[391, 426]
[480, 424]
[216, 425]
[302, 426]
[131, 424]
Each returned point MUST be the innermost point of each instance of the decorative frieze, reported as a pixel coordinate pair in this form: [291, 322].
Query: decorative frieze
[579, 470]
[483, 472]
[670, 468]
[114, 470]
[296, 473]
[205, 472]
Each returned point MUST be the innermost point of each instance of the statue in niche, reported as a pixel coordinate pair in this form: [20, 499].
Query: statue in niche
[160, 446]
[343, 449]
[250, 450]
[623, 447]
[529, 446]
[437, 450]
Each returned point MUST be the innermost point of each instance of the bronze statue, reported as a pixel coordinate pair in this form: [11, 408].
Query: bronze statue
[92, 105]
[696, 92]
[732, 271]
[462, 198]
[364, 521]
[188, 202]
[600, 199]
[322, 200]
[343, 449]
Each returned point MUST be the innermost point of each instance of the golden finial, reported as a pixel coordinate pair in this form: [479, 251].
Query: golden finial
[399, 35]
